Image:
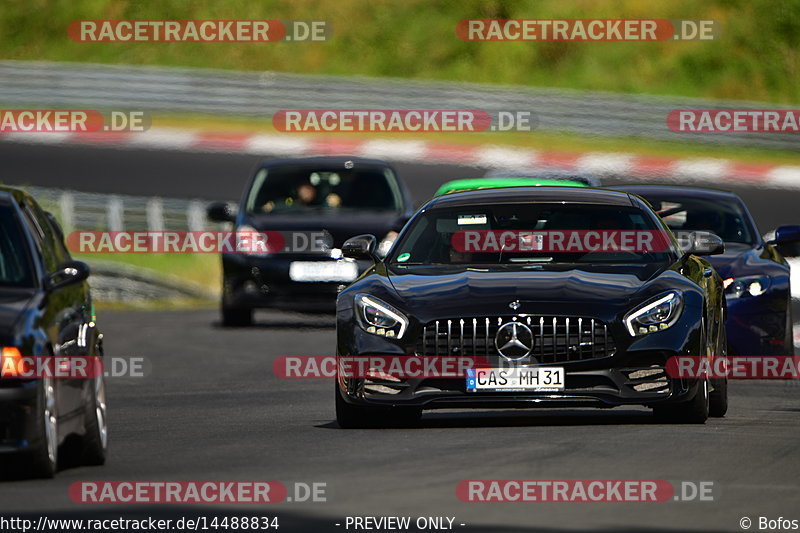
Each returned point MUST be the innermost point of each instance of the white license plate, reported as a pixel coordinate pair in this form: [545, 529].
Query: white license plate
[539, 379]
[323, 271]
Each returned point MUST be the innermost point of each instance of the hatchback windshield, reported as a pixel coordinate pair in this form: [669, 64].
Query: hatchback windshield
[535, 233]
[697, 214]
[298, 189]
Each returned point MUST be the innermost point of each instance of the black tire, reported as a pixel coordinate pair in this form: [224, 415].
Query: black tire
[350, 416]
[718, 399]
[44, 454]
[236, 317]
[695, 411]
[95, 439]
[789, 329]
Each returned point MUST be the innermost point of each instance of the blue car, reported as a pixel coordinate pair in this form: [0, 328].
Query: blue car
[755, 273]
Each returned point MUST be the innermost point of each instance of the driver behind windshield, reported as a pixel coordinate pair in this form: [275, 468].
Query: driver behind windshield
[305, 195]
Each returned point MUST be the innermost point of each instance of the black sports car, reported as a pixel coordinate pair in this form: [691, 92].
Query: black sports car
[755, 274]
[317, 203]
[45, 310]
[604, 323]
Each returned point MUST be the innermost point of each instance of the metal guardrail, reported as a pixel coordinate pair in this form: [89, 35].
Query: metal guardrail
[261, 94]
[114, 281]
[99, 212]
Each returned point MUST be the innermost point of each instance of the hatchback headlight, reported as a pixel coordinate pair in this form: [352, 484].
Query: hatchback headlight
[379, 318]
[657, 314]
[245, 238]
[745, 287]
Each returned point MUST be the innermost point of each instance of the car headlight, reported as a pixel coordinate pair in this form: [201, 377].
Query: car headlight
[246, 234]
[379, 318]
[745, 287]
[657, 314]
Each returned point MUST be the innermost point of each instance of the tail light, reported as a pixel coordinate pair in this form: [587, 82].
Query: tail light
[12, 363]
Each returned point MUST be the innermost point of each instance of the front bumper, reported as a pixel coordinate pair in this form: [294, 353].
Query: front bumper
[609, 382]
[263, 282]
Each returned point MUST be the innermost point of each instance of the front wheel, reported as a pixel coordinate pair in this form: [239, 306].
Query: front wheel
[45, 452]
[789, 342]
[236, 317]
[695, 411]
[95, 441]
[718, 400]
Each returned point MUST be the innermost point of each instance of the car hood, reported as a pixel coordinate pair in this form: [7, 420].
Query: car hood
[340, 225]
[739, 260]
[473, 292]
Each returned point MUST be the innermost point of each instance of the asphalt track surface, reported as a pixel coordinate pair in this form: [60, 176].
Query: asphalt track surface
[221, 176]
[211, 408]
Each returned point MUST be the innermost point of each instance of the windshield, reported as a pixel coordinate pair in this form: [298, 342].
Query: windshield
[507, 234]
[728, 220]
[15, 268]
[298, 189]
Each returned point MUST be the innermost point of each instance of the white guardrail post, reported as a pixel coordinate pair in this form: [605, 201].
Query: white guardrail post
[115, 214]
[155, 214]
[196, 216]
[66, 205]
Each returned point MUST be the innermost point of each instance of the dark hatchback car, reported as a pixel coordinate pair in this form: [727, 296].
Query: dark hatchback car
[45, 310]
[316, 203]
[754, 272]
[606, 322]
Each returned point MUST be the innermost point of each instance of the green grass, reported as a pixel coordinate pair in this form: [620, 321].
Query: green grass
[156, 305]
[204, 269]
[757, 55]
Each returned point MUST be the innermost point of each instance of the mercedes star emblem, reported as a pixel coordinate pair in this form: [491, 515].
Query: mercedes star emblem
[514, 341]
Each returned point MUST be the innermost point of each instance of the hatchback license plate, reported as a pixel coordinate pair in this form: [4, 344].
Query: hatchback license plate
[323, 271]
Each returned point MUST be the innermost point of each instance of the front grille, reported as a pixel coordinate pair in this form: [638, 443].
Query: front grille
[556, 338]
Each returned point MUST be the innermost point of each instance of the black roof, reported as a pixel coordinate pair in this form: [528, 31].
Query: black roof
[684, 191]
[326, 160]
[577, 195]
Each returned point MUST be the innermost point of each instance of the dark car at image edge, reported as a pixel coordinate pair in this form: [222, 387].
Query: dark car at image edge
[45, 310]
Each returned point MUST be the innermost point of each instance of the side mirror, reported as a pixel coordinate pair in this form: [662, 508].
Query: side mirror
[68, 273]
[360, 247]
[702, 243]
[221, 212]
[787, 241]
[786, 234]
